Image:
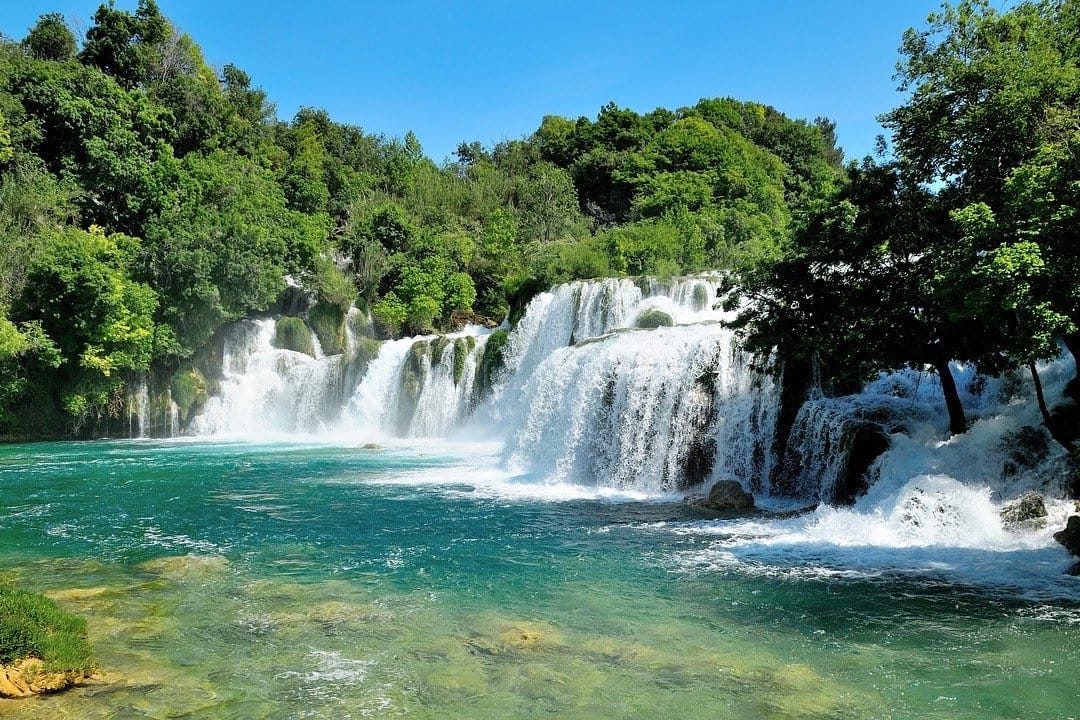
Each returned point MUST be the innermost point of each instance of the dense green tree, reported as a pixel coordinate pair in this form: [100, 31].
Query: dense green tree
[130, 47]
[101, 321]
[223, 245]
[51, 39]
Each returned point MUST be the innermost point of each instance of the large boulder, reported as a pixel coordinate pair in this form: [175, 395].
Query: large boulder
[727, 496]
[1070, 536]
[1028, 509]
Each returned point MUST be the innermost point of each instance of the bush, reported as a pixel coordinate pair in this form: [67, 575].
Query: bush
[492, 361]
[189, 392]
[653, 318]
[328, 321]
[34, 626]
[293, 334]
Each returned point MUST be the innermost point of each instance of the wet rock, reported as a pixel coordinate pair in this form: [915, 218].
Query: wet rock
[726, 496]
[865, 443]
[1074, 569]
[1070, 536]
[372, 446]
[292, 333]
[1027, 510]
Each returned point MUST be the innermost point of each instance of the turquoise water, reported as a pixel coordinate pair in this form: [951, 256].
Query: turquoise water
[312, 581]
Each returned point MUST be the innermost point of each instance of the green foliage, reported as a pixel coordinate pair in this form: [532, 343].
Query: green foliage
[189, 391]
[101, 321]
[223, 246]
[50, 39]
[31, 625]
[328, 322]
[492, 361]
[129, 47]
[292, 333]
[653, 318]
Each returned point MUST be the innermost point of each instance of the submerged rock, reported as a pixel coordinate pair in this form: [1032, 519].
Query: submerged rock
[1074, 569]
[1028, 509]
[1070, 536]
[726, 496]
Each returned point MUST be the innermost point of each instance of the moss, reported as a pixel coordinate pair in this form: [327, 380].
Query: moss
[462, 347]
[644, 284]
[328, 321]
[33, 626]
[653, 319]
[415, 370]
[189, 392]
[292, 333]
[366, 350]
[700, 296]
[438, 345]
[492, 361]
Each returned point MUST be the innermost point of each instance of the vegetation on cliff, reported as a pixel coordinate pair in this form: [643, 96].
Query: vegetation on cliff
[147, 199]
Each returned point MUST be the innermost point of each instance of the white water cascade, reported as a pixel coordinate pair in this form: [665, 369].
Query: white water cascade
[269, 390]
[586, 397]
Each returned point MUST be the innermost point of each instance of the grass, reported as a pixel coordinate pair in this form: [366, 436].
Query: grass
[32, 625]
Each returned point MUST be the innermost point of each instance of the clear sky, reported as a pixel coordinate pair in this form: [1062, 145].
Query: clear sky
[489, 70]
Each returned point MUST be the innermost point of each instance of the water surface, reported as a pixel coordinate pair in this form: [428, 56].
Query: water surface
[295, 580]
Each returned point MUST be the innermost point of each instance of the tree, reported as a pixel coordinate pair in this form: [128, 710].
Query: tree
[992, 118]
[79, 292]
[129, 47]
[869, 282]
[50, 39]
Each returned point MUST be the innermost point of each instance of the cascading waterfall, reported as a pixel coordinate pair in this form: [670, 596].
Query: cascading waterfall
[586, 397]
[647, 410]
[416, 387]
[265, 389]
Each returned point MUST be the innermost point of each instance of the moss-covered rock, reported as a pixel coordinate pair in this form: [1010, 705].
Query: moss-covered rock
[1027, 510]
[292, 333]
[653, 318]
[328, 322]
[462, 347]
[438, 347]
[415, 370]
[700, 296]
[190, 391]
[491, 362]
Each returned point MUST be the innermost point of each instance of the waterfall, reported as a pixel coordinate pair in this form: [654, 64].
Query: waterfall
[265, 389]
[583, 395]
[584, 390]
[417, 387]
[138, 404]
[654, 410]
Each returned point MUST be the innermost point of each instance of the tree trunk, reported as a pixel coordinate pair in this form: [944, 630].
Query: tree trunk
[957, 421]
[1048, 420]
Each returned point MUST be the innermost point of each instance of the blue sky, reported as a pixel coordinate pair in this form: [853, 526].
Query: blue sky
[489, 71]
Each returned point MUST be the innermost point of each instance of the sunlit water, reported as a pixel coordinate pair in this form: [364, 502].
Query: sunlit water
[314, 581]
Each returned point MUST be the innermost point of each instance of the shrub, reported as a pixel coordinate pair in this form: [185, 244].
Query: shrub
[653, 318]
[293, 334]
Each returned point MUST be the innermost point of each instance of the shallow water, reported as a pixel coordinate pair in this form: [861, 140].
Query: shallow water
[295, 580]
